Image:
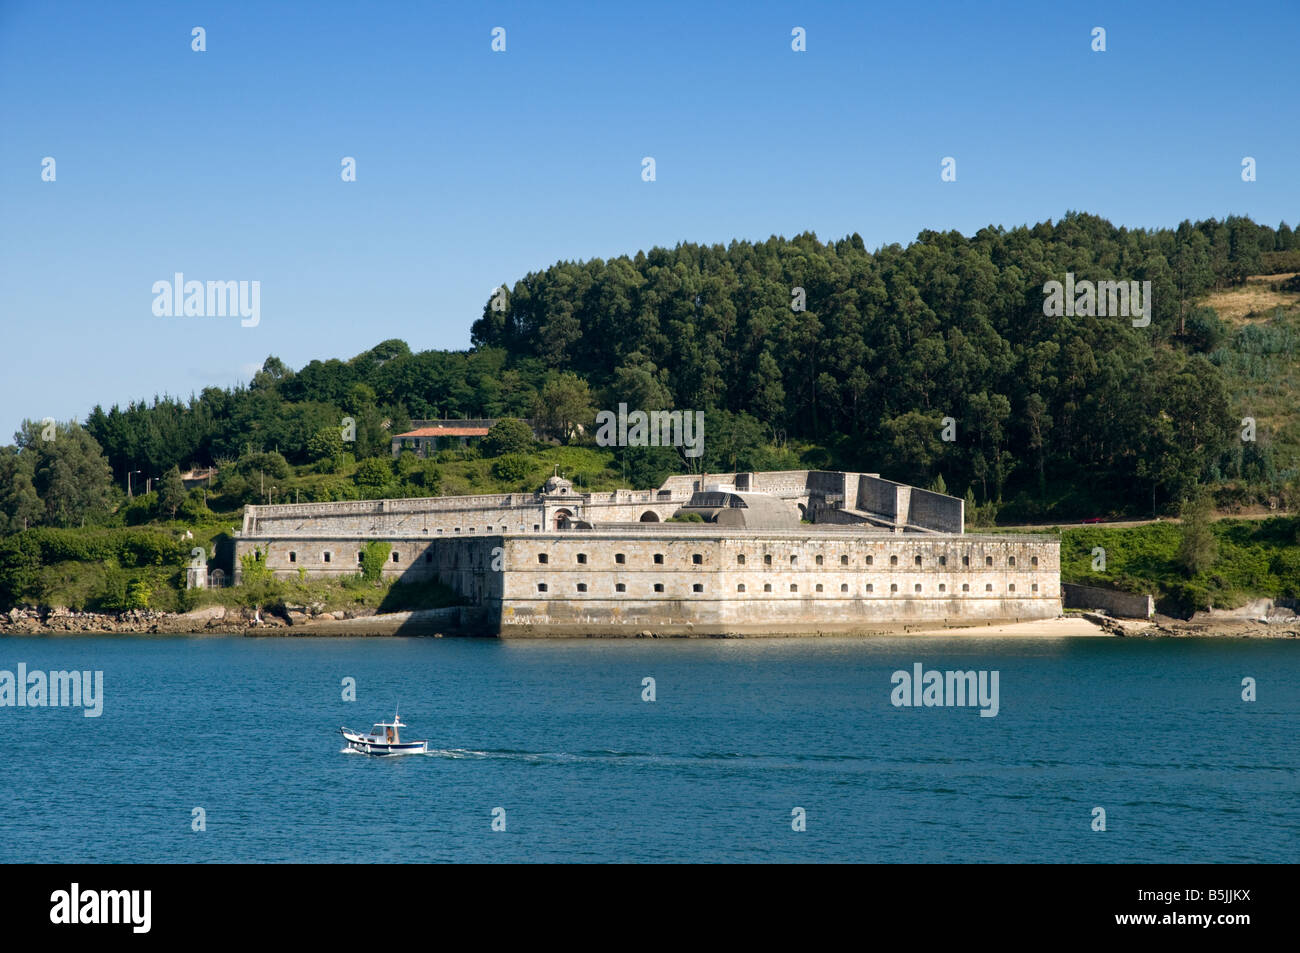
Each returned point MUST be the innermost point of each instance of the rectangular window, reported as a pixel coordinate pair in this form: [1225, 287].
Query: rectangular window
[844, 560]
[619, 558]
[541, 587]
[697, 559]
[697, 588]
[659, 587]
[582, 587]
[740, 559]
[325, 556]
[659, 559]
[619, 587]
[582, 558]
[844, 587]
[394, 557]
[293, 557]
[543, 558]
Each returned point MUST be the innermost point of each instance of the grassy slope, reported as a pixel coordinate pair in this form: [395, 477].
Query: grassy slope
[1263, 369]
[1256, 558]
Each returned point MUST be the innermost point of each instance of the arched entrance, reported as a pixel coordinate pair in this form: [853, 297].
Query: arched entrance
[649, 516]
[562, 518]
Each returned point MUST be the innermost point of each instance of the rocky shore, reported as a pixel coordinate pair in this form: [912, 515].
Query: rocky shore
[212, 619]
[1165, 627]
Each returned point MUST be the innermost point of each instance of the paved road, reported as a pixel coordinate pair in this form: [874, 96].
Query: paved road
[1122, 524]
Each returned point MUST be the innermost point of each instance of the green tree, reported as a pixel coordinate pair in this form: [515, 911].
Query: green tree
[258, 586]
[1199, 549]
[565, 405]
[508, 435]
[20, 506]
[171, 492]
[325, 449]
[68, 472]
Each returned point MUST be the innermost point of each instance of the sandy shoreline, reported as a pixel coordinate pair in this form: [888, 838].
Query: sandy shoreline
[1042, 629]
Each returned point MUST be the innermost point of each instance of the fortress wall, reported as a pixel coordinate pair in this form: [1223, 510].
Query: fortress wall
[629, 513]
[780, 596]
[867, 583]
[527, 513]
[465, 564]
[946, 514]
[877, 495]
[781, 482]
[403, 521]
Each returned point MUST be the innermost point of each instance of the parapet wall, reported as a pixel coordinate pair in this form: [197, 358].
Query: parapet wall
[944, 514]
[823, 496]
[1123, 605]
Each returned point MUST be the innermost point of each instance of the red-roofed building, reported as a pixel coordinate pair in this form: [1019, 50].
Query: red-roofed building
[424, 438]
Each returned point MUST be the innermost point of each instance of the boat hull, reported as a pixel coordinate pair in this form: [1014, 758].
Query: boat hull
[370, 746]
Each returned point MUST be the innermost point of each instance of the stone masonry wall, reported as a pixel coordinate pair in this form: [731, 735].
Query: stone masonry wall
[549, 584]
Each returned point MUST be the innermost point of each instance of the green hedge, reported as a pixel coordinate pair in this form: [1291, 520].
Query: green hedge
[23, 555]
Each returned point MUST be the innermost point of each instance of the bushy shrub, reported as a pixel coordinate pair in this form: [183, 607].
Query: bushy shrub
[512, 468]
[373, 473]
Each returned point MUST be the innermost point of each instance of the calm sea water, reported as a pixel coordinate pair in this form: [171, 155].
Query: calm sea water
[741, 733]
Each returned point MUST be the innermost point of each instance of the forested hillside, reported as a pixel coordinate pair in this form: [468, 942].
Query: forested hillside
[1055, 417]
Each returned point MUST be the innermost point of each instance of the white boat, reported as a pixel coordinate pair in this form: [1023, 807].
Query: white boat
[382, 739]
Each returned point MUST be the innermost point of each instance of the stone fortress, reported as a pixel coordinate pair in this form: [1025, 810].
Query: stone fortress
[777, 553]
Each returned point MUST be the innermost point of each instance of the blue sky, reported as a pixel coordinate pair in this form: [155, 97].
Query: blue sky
[475, 167]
